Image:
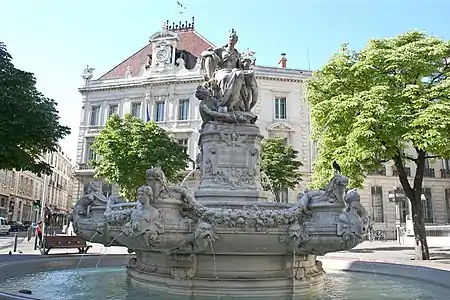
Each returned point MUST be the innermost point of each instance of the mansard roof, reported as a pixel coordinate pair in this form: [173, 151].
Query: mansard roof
[189, 40]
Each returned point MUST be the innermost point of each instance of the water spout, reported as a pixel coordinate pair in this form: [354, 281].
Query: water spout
[106, 247]
[294, 270]
[214, 265]
[82, 255]
[266, 181]
[186, 177]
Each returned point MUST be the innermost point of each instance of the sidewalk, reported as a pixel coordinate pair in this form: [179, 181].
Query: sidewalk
[393, 252]
[8, 242]
[27, 247]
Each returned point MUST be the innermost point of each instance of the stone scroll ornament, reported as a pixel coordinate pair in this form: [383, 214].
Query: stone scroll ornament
[230, 90]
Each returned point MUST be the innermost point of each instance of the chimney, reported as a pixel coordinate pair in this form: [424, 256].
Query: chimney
[282, 61]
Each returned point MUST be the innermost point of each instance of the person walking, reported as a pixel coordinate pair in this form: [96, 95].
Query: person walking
[39, 232]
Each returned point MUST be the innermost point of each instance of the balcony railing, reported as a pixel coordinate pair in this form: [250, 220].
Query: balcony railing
[429, 172]
[407, 170]
[84, 167]
[445, 173]
[381, 171]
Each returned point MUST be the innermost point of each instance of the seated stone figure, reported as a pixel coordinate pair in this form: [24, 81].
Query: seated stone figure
[209, 106]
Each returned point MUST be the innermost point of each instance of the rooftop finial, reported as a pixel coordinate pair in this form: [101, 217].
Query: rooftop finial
[181, 26]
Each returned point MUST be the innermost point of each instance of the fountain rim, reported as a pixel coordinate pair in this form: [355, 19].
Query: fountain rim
[424, 273]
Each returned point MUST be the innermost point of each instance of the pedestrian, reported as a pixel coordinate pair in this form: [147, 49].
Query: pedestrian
[39, 232]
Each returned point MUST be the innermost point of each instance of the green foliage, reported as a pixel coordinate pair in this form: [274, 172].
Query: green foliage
[367, 106]
[280, 163]
[128, 147]
[29, 122]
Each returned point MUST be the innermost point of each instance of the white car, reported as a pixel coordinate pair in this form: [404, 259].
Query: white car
[4, 228]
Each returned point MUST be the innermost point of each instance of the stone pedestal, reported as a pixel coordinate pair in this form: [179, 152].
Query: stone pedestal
[230, 164]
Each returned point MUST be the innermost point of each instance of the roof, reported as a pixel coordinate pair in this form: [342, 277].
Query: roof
[190, 40]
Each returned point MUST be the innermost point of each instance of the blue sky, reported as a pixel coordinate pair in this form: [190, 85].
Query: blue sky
[56, 39]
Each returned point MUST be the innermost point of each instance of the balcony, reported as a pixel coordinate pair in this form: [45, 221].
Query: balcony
[407, 170]
[429, 172]
[83, 169]
[445, 173]
[380, 172]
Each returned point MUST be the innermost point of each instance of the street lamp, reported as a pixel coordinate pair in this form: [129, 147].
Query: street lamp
[397, 195]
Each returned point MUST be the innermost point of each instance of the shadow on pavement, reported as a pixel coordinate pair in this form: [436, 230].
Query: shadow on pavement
[378, 249]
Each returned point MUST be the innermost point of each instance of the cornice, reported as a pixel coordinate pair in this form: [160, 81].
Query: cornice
[261, 72]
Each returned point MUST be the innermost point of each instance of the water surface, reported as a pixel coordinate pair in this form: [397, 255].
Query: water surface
[113, 284]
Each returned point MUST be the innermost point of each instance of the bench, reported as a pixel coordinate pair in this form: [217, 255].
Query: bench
[64, 242]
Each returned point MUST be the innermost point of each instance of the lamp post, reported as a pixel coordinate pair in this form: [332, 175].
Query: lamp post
[397, 196]
[43, 206]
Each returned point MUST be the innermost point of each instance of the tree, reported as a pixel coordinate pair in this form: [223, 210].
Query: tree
[29, 122]
[390, 102]
[128, 147]
[279, 163]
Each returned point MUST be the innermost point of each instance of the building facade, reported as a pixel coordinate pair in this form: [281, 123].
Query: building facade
[19, 190]
[158, 83]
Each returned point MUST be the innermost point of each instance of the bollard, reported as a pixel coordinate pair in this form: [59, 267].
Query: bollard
[15, 242]
[35, 241]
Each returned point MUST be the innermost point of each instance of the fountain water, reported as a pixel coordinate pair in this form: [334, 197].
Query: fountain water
[226, 233]
[267, 182]
[187, 176]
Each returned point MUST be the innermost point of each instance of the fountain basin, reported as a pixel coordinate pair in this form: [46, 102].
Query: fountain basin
[375, 278]
[184, 246]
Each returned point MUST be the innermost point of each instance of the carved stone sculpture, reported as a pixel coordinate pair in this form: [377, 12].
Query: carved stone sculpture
[230, 90]
[333, 193]
[91, 197]
[226, 234]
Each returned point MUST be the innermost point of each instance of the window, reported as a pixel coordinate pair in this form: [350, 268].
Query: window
[280, 108]
[113, 109]
[446, 164]
[282, 195]
[136, 109]
[90, 155]
[85, 188]
[184, 142]
[95, 112]
[427, 204]
[404, 209]
[106, 189]
[377, 204]
[427, 163]
[160, 107]
[447, 204]
[183, 111]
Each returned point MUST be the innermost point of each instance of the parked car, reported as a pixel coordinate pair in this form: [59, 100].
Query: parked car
[16, 226]
[4, 227]
[27, 224]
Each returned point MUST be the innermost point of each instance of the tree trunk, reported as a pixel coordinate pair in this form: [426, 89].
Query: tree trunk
[414, 193]
[420, 237]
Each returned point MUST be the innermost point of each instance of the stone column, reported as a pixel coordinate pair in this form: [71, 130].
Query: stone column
[230, 164]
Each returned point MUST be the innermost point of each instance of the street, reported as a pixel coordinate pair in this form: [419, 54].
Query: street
[8, 240]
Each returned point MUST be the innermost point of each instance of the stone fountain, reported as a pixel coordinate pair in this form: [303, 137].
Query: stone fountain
[225, 239]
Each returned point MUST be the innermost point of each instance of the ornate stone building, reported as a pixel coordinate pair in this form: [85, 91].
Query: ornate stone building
[158, 83]
[19, 190]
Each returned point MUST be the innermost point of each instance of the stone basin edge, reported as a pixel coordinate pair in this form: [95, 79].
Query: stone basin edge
[435, 274]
